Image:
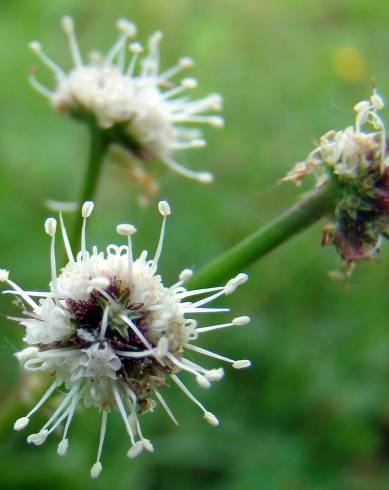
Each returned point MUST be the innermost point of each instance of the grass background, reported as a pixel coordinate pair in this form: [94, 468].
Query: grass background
[313, 412]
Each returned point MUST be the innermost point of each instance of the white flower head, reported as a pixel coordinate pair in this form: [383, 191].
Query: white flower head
[349, 154]
[136, 101]
[112, 335]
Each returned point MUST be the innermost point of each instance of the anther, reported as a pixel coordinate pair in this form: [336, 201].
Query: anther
[189, 83]
[185, 275]
[377, 102]
[62, 448]
[87, 209]
[39, 438]
[21, 423]
[51, 226]
[35, 46]
[211, 418]
[126, 26]
[164, 208]
[216, 121]
[125, 229]
[361, 106]
[135, 450]
[67, 24]
[186, 62]
[202, 381]
[205, 177]
[96, 470]
[4, 275]
[241, 320]
[241, 364]
[135, 48]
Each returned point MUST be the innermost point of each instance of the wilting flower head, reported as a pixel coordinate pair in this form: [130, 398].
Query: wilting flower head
[113, 335]
[356, 159]
[136, 102]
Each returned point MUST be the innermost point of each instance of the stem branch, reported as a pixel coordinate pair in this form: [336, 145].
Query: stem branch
[305, 212]
[97, 148]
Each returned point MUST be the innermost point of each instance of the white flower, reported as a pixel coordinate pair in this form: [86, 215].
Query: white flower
[145, 107]
[112, 334]
[352, 153]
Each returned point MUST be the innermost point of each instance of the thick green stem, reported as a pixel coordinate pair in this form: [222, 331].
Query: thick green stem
[98, 145]
[300, 216]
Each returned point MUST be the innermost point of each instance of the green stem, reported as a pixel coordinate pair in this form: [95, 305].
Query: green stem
[304, 213]
[98, 145]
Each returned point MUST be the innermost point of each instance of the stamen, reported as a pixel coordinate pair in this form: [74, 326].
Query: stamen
[183, 63]
[165, 406]
[104, 321]
[68, 27]
[136, 49]
[164, 209]
[240, 364]
[86, 211]
[51, 228]
[65, 238]
[36, 48]
[97, 467]
[209, 417]
[21, 423]
[122, 411]
[204, 177]
[128, 231]
[242, 320]
[201, 380]
[39, 87]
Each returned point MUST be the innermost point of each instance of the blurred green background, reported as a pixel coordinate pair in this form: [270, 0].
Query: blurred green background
[313, 411]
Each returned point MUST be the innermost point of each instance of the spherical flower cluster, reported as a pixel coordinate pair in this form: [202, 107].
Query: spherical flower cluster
[112, 335]
[356, 161]
[136, 102]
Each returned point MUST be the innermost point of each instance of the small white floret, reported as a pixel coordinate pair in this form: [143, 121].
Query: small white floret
[211, 418]
[162, 347]
[164, 208]
[21, 423]
[26, 354]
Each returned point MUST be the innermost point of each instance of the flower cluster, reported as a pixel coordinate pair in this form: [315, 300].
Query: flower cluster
[137, 104]
[356, 161]
[113, 335]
